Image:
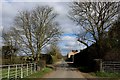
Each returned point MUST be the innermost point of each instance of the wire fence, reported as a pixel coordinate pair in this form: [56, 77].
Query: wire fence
[17, 70]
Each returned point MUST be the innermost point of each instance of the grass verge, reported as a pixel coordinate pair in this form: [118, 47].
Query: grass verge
[40, 74]
[107, 74]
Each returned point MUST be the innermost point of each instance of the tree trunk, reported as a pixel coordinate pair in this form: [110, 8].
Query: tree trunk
[99, 49]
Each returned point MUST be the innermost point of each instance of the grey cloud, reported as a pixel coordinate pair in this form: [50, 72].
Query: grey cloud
[10, 10]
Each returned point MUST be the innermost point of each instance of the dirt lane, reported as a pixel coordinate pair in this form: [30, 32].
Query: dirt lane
[64, 71]
[64, 74]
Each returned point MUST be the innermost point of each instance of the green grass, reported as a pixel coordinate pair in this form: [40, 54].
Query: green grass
[40, 73]
[107, 74]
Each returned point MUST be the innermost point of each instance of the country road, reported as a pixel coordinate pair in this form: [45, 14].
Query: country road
[63, 70]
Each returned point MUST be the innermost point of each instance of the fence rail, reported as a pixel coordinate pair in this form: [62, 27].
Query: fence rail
[17, 70]
[113, 66]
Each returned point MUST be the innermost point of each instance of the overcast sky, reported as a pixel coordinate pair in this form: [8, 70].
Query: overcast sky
[67, 42]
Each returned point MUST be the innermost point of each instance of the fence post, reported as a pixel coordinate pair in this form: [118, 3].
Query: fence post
[1, 75]
[9, 71]
[21, 70]
[31, 68]
[101, 65]
[27, 69]
[16, 72]
[98, 64]
[34, 67]
[114, 68]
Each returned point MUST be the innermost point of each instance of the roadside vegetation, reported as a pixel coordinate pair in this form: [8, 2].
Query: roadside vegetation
[106, 74]
[40, 74]
[54, 51]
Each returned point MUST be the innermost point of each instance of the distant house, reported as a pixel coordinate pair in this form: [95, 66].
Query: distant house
[73, 52]
[70, 55]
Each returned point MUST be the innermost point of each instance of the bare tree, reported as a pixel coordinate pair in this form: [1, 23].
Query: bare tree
[95, 18]
[35, 29]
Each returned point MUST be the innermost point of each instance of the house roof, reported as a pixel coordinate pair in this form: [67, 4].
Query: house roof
[73, 52]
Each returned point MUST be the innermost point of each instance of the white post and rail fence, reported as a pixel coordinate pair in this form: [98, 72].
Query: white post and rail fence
[17, 70]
